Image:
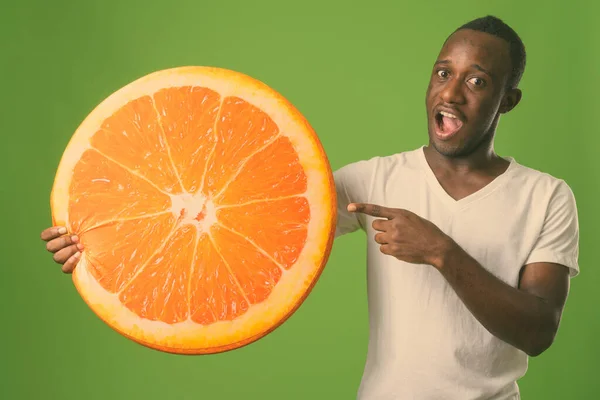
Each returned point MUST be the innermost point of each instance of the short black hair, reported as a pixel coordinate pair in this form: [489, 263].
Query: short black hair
[495, 26]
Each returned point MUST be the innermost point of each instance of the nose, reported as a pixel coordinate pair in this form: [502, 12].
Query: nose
[452, 92]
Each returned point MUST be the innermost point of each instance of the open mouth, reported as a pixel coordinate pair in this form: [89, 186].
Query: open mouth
[447, 124]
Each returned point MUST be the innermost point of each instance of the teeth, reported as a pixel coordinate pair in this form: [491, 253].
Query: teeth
[445, 114]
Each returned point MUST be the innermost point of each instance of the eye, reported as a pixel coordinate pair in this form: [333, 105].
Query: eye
[477, 82]
[443, 73]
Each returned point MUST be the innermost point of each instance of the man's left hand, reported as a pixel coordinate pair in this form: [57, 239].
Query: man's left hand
[405, 235]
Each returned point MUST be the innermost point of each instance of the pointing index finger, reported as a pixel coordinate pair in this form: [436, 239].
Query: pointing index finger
[373, 210]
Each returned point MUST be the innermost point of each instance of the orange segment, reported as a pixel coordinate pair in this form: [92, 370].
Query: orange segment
[159, 292]
[101, 190]
[279, 227]
[188, 115]
[215, 292]
[133, 137]
[256, 273]
[242, 130]
[113, 248]
[267, 176]
[206, 206]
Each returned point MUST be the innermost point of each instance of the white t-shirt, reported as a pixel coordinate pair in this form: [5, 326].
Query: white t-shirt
[424, 343]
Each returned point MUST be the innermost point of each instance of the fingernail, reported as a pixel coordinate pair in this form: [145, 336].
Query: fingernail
[74, 239]
[351, 207]
[80, 246]
[77, 255]
[62, 230]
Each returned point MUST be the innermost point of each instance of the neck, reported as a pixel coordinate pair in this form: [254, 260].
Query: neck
[482, 159]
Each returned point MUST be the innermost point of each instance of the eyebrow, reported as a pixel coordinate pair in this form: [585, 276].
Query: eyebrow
[476, 66]
[480, 68]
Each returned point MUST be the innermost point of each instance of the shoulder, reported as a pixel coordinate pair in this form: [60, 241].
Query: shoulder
[542, 187]
[356, 181]
[552, 201]
[538, 180]
[379, 164]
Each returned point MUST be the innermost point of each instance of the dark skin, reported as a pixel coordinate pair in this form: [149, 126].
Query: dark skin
[470, 79]
[66, 249]
[526, 317]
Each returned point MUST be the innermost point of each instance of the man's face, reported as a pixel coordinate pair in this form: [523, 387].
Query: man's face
[467, 91]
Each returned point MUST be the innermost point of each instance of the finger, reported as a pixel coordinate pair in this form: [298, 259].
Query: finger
[373, 210]
[386, 249]
[61, 242]
[61, 256]
[381, 238]
[381, 225]
[53, 233]
[71, 263]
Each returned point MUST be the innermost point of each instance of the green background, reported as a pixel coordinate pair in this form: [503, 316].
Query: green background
[359, 74]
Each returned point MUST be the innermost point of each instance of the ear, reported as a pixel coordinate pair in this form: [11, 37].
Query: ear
[512, 97]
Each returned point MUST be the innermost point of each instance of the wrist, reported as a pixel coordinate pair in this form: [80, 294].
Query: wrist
[447, 251]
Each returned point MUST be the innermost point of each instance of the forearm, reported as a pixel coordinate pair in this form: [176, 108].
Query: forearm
[519, 318]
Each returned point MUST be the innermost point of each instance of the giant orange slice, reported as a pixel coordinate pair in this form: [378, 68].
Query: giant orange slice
[206, 206]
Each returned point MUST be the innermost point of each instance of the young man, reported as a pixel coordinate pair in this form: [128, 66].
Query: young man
[469, 254]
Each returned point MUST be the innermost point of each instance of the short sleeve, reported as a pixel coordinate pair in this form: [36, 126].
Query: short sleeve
[353, 184]
[558, 241]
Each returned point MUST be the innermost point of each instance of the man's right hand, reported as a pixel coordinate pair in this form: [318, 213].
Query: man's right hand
[66, 248]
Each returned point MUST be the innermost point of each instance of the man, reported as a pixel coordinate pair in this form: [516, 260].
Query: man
[469, 254]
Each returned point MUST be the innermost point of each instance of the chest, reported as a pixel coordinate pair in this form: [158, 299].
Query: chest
[460, 187]
[498, 228]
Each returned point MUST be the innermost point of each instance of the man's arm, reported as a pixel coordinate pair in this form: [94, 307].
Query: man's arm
[526, 317]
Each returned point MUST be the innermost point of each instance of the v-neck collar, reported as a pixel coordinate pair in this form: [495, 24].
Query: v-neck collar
[461, 203]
